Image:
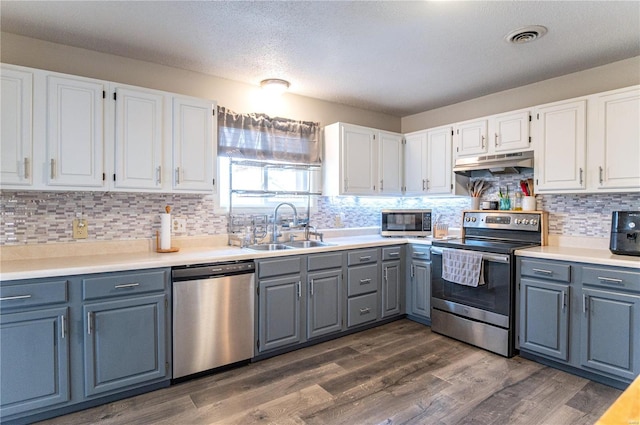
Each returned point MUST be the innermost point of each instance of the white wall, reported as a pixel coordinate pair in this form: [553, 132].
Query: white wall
[607, 77]
[240, 97]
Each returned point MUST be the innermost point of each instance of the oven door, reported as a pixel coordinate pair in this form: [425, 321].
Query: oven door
[494, 297]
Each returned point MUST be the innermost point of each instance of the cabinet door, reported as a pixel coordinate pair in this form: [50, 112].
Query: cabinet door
[390, 163]
[472, 138]
[617, 140]
[124, 343]
[511, 131]
[390, 288]
[16, 142]
[279, 312]
[439, 161]
[34, 359]
[544, 318]
[138, 139]
[194, 145]
[359, 157]
[415, 163]
[560, 138]
[75, 133]
[324, 310]
[420, 288]
[610, 332]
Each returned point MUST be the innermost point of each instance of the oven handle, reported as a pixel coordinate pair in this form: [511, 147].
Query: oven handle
[485, 256]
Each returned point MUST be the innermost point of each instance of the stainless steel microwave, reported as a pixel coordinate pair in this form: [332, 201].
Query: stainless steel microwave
[406, 223]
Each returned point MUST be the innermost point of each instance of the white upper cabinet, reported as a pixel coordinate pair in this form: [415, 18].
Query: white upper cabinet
[560, 146]
[510, 131]
[390, 159]
[194, 145]
[502, 133]
[16, 149]
[139, 136]
[439, 161]
[75, 132]
[428, 162]
[614, 140]
[472, 137]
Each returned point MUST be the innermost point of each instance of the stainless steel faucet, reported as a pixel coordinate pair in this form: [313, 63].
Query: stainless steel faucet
[274, 236]
[308, 232]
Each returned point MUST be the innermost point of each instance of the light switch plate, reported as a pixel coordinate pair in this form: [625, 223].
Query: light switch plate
[80, 228]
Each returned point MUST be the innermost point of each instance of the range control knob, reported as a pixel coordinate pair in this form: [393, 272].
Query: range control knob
[525, 221]
[473, 219]
[517, 221]
[467, 219]
[534, 222]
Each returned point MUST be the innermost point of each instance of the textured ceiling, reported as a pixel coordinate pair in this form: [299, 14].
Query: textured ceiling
[394, 57]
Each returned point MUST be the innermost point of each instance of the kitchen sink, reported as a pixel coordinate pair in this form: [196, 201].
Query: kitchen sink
[269, 247]
[307, 244]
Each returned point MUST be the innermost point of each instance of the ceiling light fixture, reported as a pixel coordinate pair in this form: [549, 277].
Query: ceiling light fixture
[275, 85]
[526, 34]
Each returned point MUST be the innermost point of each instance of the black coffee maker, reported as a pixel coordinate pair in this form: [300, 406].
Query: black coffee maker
[625, 233]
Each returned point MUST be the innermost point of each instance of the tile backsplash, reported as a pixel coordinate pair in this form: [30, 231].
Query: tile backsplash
[45, 217]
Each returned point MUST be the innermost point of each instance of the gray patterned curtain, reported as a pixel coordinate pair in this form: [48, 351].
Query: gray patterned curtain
[258, 136]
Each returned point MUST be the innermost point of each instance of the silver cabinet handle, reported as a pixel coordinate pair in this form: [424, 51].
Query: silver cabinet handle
[366, 310]
[427, 184]
[159, 174]
[385, 276]
[610, 280]
[299, 285]
[178, 175]
[421, 253]
[584, 303]
[89, 323]
[412, 271]
[311, 287]
[581, 175]
[53, 168]
[127, 285]
[393, 254]
[364, 281]
[496, 141]
[542, 271]
[26, 168]
[564, 300]
[483, 141]
[365, 258]
[600, 175]
[424, 182]
[15, 297]
[62, 327]
[381, 185]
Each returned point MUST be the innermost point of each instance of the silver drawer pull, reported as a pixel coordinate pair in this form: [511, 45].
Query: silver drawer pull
[365, 258]
[62, 327]
[610, 280]
[420, 253]
[542, 271]
[127, 285]
[364, 281]
[89, 323]
[365, 310]
[216, 270]
[15, 297]
[393, 254]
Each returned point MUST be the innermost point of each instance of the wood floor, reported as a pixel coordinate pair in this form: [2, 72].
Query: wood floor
[400, 373]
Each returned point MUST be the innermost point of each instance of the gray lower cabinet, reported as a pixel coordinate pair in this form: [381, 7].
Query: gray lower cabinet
[419, 282]
[124, 343]
[392, 286]
[544, 318]
[324, 311]
[363, 282]
[581, 315]
[279, 306]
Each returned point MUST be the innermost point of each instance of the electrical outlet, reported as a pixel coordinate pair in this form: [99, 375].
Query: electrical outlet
[80, 228]
[179, 225]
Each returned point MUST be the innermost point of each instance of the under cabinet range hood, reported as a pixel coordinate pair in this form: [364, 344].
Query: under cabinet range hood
[509, 163]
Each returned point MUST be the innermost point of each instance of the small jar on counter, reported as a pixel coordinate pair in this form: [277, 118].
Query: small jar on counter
[517, 205]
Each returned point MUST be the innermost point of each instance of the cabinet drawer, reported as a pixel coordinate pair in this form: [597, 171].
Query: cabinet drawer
[362, 256]
[362, 279]
[546, 270]
[421, 252]
[391, 253]
[611, 278]
[123, 284]
[33, 294]
[362, 309]
[279, 266]
[324, 261]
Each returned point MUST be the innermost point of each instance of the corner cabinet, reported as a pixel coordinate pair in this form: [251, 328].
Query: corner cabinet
[361, 161]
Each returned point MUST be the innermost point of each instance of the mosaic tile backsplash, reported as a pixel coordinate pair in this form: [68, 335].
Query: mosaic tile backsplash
[45, 217]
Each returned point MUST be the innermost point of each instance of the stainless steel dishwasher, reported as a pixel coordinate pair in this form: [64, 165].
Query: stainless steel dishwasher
[213, 316]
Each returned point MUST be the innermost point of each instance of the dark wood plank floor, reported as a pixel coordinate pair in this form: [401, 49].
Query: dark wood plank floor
[400, 373]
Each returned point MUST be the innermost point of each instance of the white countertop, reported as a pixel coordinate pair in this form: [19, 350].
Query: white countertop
[85, 264]
[580, 255]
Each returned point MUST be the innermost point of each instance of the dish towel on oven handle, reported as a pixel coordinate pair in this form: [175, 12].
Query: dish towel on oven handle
[462, 267]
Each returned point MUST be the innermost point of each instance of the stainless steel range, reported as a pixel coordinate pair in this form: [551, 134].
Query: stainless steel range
[477, 305]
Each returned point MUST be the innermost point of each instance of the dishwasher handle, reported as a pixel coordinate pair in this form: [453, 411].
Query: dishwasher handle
[202, 271]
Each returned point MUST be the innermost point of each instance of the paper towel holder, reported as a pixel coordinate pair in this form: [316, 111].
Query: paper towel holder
[158, 249]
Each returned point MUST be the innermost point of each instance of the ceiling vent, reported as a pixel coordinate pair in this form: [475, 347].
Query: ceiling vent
[526, 34]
